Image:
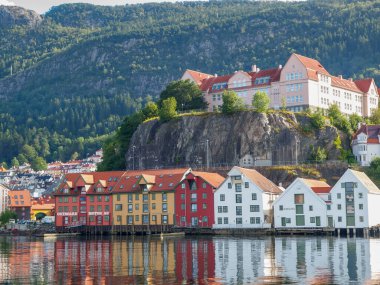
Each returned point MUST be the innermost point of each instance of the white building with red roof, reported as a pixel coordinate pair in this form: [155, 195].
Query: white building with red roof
[302, 83]
[304, 204]
[366, 144]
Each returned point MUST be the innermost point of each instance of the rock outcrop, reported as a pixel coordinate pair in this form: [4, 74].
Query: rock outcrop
[11, 16]
[246, 139]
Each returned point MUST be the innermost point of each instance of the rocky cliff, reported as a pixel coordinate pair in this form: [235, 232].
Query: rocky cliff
[246, 139]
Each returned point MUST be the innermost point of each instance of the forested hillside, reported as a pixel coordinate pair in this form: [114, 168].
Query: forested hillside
[79, 69]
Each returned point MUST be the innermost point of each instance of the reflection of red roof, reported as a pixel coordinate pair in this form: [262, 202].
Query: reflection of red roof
[364, 84]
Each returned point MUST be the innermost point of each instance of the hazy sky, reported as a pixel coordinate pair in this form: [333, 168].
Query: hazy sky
[41, 6]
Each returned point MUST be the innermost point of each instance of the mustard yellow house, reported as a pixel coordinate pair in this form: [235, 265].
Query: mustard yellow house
[145, 199]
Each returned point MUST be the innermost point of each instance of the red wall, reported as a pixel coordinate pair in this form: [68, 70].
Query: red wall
[99, 221]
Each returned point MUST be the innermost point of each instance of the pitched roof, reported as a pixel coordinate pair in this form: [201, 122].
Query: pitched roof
[312, 66]
[261, 181]
[364, 84]
[317, 186]
[214, 179]
[198, 76]
[344, 84]
[368, 183]
[43, 206]
[372, 132]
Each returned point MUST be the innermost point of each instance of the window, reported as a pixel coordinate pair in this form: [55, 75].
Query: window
[299, 209]
[130, 198]
[222, 197]
[137, 207]
[298, 199]
[145, 198]
[254, 208]
[361, 207]
[60, 209]
[339, 206]
[130, 220]
[145, 208]
[338, 195]
[106, 198]
[65, 199]
[246, 184]
[204, 185]
[74, 199]
[183, 207]
[183, 185]
[310, 208]
[164, 197]
[204, 219]
[92, 218]
[238, 187]
[238, 198]
[60, 199]
[154, 206]
[100, 208]
[75, 208]
[204, 206]
[229, 185]
[130, 208]
[154, 218]
[239, 210]
[312, 220]
[164, 219]
[99, 198]
[193, 197]
[220, 209]
[182, 196]
[92, 209]
[254, 196]
[254, 220]
[225, 220]
[137, 218]
[239, 221]
[225, 209]
[360, 195]
[204, 195]
[220, 221]
[145, 219]
[328, 207]
[340, 219]
[137, 197]
[193, 207]
[164, 207]
[118, 218]
[106, 208]
[281, 207]
[118, 197]
[361, 219]
[153, 196]
[118, 207]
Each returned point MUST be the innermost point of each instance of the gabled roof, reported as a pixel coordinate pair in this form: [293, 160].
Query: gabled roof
[372, 132]
[214, 179]
[366, 181]
[148, 179]
[261, 181]
[319, 187]
[88, 178]
[312, 66]
[198, 76]
[364, 84]
[344, 84]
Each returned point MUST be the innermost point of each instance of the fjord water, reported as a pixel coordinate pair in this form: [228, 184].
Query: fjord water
[190, 260]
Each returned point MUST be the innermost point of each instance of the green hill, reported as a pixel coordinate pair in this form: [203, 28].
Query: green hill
[79, 69]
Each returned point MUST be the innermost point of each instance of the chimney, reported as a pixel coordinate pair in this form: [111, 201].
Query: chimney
[254, 68]
[340, 76]
[280, 184]
[280, 66]
[215, 75]
[258, 69]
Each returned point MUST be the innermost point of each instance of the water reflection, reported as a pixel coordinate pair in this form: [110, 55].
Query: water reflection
[195, 260]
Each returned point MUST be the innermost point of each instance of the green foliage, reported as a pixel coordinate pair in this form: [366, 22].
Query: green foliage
[317, 120]
[375, 117]
[15, 162]
[283, 103]
[354, 120]
[6, 216]
[340, 121]
[90, 66]
[186, 93]
[318, 155]
[40, 216]
[232, 103]
[38, 163]
[260, 102]
[168, 109]
[375, 165]
[150, 110]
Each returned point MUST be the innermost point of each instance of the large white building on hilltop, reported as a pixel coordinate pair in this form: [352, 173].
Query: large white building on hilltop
[301, 83]
[366, 144]
[4, 198]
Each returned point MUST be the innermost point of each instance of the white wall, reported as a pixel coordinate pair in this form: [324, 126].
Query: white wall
[373, 210]
[286, 200]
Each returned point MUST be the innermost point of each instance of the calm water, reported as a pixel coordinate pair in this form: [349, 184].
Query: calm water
[205, 260]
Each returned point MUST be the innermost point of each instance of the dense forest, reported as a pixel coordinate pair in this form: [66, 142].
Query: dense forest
[69, 77]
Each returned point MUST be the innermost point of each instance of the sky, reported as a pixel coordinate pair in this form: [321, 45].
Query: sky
[42, 6]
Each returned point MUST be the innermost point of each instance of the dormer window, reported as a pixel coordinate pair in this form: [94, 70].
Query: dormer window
[171, 184]
[99, 189]
[66, 191]
[134, 185]
[160, 185]
[121, 186]
[110, 179]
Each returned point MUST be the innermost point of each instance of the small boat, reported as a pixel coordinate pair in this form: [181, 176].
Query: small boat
[167, 235]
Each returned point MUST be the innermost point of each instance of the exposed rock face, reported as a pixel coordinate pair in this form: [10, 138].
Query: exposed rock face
[246, 139]
[11, 16]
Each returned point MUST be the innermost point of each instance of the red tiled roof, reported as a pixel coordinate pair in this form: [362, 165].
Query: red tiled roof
[214, 179]
[313, 66]
[261, 181]
[315, 183]
[198, 76]
[364, 84]
[372, 132]
[345, 84]
[321, 190]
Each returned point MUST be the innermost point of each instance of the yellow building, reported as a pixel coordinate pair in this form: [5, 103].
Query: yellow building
[146, 199]
[43, 205]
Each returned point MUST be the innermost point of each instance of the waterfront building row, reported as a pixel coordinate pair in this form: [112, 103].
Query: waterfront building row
[300, 84]
[141, 200]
